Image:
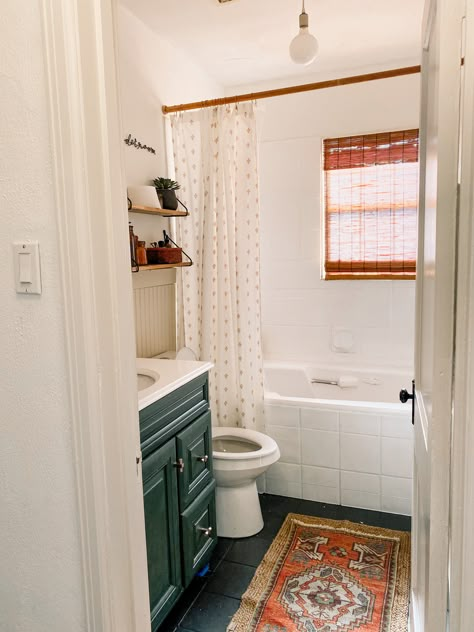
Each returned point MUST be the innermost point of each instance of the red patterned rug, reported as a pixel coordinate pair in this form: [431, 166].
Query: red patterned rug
[329, 576]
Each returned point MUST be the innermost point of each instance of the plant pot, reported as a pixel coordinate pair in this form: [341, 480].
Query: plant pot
[169, 199]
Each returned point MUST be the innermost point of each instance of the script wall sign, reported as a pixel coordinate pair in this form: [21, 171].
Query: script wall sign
[133, 142]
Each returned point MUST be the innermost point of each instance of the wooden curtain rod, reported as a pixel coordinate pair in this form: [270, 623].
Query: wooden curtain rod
[306, 87]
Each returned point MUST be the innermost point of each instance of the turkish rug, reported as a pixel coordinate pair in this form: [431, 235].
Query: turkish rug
[329, 576]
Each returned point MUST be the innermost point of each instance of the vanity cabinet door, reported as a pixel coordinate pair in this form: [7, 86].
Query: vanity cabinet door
[160, 490]
[195, 449]
[199, 532]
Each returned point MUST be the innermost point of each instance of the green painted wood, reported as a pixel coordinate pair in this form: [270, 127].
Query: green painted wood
[160, 490]
[194, 444]
[163, 419]
[196, 545]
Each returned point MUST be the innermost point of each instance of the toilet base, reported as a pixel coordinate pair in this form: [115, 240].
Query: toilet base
[238, 511]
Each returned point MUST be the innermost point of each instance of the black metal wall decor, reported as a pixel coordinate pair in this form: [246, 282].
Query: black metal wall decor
[133, 142]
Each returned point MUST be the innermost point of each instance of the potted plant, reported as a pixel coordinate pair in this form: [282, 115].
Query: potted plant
[165, 189]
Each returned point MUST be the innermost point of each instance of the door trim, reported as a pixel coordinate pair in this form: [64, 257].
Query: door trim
[79, 45]
[462, 486]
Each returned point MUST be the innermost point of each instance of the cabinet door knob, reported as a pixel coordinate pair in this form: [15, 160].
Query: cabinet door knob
[180, 465]
[203, 459]
[207, 531]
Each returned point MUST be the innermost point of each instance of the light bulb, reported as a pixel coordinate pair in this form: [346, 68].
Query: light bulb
[304, 47]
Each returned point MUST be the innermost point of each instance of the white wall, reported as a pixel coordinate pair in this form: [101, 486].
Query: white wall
[152, 73]
[299, 309]
[40, 577]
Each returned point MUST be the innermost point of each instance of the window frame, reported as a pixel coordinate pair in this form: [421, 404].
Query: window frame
[353, 276]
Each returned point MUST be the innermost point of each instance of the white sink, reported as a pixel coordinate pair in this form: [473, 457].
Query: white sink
[157, 378]
[146, 378]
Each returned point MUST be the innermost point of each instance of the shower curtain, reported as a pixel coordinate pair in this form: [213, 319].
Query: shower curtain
[215, 157]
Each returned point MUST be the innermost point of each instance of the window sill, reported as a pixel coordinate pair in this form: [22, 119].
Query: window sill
[360, 276]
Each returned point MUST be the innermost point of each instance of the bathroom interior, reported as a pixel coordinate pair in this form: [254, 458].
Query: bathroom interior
[295, 364]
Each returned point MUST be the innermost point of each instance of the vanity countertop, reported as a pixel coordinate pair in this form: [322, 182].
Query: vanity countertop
[172, 374]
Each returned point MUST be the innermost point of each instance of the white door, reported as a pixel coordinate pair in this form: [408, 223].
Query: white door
[435, 285]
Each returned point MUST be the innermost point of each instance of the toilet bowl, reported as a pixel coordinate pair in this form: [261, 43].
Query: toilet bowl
[239, 457]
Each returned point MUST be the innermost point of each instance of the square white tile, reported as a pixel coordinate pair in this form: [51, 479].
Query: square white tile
[282, 415]
[360, 423]
[360, 453]
[320, 448]
[319, 419]
[289, 472]
[363, 500]
[356, 481]
[320, 476]
[395, 504]
[397, 426]
[283, 488]
[321, 494]
[288, 440]
[395, 486]
[397, 457]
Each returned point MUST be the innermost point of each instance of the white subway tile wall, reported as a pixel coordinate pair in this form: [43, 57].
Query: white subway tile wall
[335, 455]
[299, 309]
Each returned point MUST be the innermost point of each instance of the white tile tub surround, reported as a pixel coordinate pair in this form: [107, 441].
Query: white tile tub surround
[357, 454]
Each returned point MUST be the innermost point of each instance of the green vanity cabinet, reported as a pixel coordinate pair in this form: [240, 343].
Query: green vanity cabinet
[179, 492]
[160, 489]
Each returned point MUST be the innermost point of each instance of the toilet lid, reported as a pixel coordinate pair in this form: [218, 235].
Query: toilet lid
[185, 353]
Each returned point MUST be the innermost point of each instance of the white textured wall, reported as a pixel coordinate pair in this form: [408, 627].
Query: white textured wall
[299, 309]
[40, 582]
[152, 73]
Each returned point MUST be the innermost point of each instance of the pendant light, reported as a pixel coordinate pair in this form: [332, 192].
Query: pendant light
[304, 46]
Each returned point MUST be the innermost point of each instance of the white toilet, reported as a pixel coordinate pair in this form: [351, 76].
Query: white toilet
[239, 457]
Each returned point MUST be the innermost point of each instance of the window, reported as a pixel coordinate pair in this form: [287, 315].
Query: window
[371, 204]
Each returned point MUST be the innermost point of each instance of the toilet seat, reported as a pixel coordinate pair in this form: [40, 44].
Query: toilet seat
[266, 445]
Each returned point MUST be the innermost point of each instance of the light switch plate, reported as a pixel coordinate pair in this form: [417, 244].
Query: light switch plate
[27, 267]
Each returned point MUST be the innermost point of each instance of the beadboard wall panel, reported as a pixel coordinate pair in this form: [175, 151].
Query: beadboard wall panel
[155, 319]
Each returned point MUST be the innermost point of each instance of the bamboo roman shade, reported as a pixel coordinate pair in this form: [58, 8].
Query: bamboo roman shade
[371, 204]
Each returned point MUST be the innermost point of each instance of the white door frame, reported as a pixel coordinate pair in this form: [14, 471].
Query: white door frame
[461, 615]
[80, 51]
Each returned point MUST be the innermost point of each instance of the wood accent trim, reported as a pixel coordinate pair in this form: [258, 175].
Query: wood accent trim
[305, 87]
[165, 266]
[344, 276]
[151, 210]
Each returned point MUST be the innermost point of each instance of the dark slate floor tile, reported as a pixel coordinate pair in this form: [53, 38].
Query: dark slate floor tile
[249, 551]
[279, 505]
[320, 510]
[222, 547]
[210, 613]
[394, 521]
[230, 579]
[184, 603]
[272, 524]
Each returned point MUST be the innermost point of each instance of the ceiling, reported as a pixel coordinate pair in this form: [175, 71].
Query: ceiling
[246, 41]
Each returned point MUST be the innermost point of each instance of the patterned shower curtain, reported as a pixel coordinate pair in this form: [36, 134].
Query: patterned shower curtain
[215, 156]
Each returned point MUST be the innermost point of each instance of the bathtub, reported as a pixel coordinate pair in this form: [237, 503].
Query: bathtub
[351, 446]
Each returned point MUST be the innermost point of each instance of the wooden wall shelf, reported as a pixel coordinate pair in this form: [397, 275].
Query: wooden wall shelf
[165, 266]
[150, 210]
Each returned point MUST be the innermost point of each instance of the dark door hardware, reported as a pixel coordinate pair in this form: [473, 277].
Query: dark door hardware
[405, 396]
